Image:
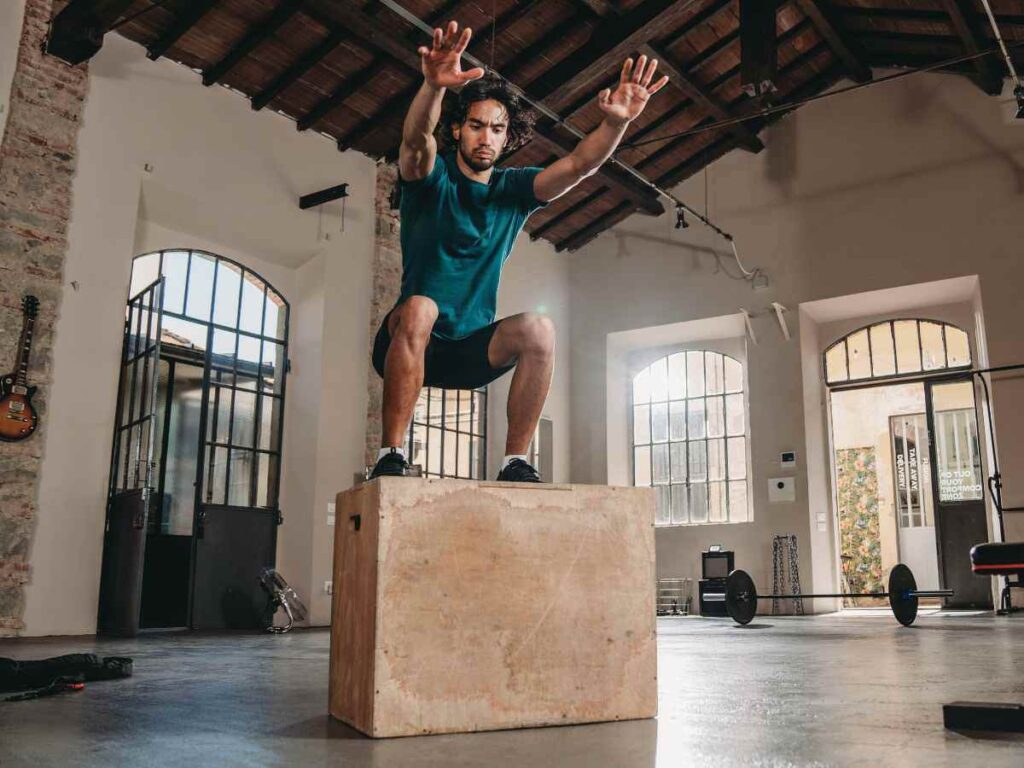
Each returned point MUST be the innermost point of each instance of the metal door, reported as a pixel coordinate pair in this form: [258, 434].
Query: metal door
[958, 488]
[130, 492]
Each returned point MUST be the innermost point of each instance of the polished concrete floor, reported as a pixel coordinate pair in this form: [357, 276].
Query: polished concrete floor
[807, 691]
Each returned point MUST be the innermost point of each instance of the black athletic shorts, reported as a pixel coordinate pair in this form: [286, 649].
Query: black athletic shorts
[458, 364]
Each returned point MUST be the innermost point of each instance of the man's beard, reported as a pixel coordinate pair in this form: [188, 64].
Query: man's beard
[478, 163]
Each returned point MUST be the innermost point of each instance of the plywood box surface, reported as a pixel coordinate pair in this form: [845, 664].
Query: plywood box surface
[469, 606]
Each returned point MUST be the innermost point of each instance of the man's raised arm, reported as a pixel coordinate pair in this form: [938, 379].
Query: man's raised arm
[620, 108]
[442, 69]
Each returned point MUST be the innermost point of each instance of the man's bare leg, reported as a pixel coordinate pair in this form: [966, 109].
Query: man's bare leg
[529, 341]
[410, 326]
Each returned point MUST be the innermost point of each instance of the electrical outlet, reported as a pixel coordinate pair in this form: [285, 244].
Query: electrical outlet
[329, 587]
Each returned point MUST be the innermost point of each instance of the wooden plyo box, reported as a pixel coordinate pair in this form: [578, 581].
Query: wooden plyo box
[471, 606]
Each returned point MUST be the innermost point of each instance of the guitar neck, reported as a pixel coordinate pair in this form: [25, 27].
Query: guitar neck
[24, 347]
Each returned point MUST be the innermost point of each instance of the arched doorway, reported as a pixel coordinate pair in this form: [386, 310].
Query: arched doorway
[906, 458]
[196, 462]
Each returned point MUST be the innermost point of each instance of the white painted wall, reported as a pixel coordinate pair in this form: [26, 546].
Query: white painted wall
[11, 14]
[904, 183]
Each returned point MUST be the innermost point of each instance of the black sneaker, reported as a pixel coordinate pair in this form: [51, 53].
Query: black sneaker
[518, 471]
[392, 464]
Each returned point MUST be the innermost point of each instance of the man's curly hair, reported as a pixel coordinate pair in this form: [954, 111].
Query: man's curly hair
[456, 108]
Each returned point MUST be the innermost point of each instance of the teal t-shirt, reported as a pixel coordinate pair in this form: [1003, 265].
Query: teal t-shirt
[456, 236]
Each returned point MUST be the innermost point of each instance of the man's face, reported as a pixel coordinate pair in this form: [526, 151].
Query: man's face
[483, 134]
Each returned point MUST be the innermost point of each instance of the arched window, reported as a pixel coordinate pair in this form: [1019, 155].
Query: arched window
[224, 345]
[897, 348]
[689, 437]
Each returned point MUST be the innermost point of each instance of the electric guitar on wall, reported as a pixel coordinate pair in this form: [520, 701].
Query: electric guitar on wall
[17, 416]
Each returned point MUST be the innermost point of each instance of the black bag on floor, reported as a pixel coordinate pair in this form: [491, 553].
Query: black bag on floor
[48, 676]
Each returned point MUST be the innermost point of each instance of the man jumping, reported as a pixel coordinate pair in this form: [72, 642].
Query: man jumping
[460, 217]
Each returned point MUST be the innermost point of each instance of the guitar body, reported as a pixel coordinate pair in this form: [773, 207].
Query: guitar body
[17, 416]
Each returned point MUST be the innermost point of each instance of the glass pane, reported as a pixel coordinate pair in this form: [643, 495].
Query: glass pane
[716, 416]
[270, 438]
[835, 363]
[957, 452]
[225, 305]
[175, 269]
[735, 415]
[695, 418]
[418, 448]
[957, 347]
[679, 497]
[216, 470]
[659, 422]
[642, 466]
[434, 396]
[717, 505]
[908, 349]
[274, 316]
[642, 386]
[223, 353]
[716, 459]
[641, 424]
[677, 376]
[737, 458]
[451, 449]
[200, 286]
[251, 318]
[247, 361]
[733, 375]
[698, 460]
[738, 502]
[677, 420]
[263, 480]
[699, 503]
[145, 269]
[272, 366]
[715, 373]
[659, 464]
[479, 468]
[184, 334]
[434, 451]
[241, 477]
[678, 462]
[450, 397]
[663, 513]
[659, 380]
[883, 353]
[219, 416]
[479, 405]
[463, 440]
[245, 419]
[695, 374]
[860, 356]
[933, 346]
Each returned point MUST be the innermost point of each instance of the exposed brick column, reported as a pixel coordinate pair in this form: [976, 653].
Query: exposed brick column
[387, 282]
[37, 163]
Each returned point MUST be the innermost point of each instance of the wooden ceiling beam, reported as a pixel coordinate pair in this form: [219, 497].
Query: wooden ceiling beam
[829, 29]
[600, 7]
[256, 35]
[746, 138]
[607, 220]
[561, 216]
[759, 46]
[191, 16]
[990, 73]
[613, 40]
[305, 63]
[76, 32]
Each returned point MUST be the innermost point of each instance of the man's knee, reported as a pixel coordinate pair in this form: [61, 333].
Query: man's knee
[538, 335]
[416, 318]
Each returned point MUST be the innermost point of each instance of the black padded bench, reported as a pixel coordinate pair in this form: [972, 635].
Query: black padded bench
[1000, 559]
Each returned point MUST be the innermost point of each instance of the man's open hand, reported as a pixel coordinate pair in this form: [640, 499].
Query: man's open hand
[441, 63]
[630, 97]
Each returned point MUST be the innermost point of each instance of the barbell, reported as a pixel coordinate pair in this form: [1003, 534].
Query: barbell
[741, 595]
